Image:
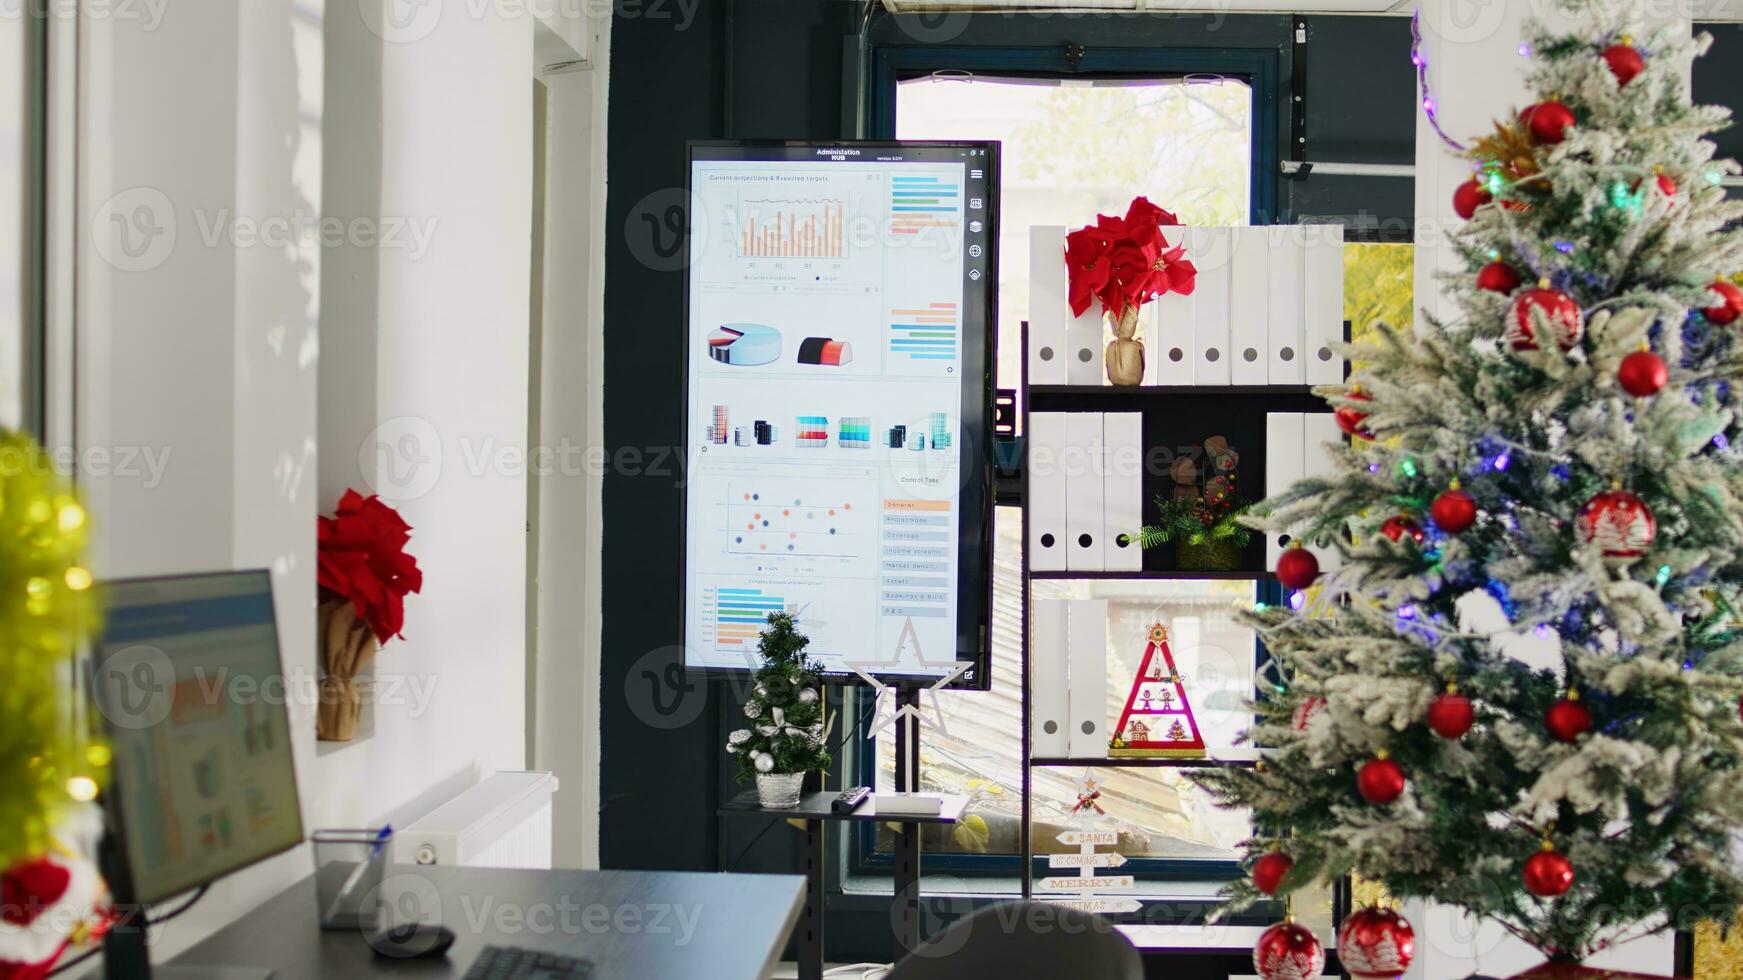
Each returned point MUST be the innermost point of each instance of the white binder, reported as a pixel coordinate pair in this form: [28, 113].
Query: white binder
[1085, 466]
[1049, 686]
[1046, 468]
[1249, 306]
[1123, 491]
[1088, 737]
[1320, 437]
[1168, 326]
[1323, 272]
[1086, 338]
[1283, 467]
[1285, 364]
[1210, 316]
[1049, 309]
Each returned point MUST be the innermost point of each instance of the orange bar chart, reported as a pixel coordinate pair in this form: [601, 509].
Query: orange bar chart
[794, 229]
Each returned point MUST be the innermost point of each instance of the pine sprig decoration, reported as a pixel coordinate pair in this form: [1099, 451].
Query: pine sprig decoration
[1625, 216]
[1189, 520]
[785, 732]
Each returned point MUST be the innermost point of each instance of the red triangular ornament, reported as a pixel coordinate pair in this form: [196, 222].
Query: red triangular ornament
[1157, 721]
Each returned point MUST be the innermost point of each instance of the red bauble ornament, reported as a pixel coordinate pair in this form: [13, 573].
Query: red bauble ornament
[1618, 522]
[1568, 719]
[1397, 527]
[1498, 277]
[1380, 780]
[1730, 304]
[1624, 61]
[1297, 568]
[1376, 942]
[1548, 121]
[1288, 951]
[1468, 197]
[1548, 873]
[1305, 710]
[1454, 510]
[1566, 323]
[1351, 420]
[1269, 870]
[1450, 715]
[1642, 373]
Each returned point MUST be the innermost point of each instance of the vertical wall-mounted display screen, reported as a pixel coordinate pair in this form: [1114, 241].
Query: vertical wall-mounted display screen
[840, 303]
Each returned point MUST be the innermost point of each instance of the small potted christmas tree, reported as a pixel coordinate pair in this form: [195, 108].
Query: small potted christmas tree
[785, 737]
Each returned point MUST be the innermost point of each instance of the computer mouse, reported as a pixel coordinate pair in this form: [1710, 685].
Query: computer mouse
[412, 939]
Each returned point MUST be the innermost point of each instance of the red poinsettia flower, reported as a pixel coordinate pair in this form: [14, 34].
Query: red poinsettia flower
[1125, 261]
[1086, 251]
[361, 557]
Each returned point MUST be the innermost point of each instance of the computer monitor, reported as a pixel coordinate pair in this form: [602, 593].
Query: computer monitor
[188, 680]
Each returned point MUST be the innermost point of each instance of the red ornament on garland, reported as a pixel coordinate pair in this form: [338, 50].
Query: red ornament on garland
[1297, 568]
[1468, 197]
[1730, 304]
[1568, 719]
[1548, 121]
[1498, 277]
[1397, 527]
[1450, 715]
[1454, 510]
[1288, 951]
[1380, 780]
[1375, 943]
[1624, 60]
[1269, 870]
[1642, 374]
[1548, 873]
[1351, 419]
[1566, 323]
[1618, 522]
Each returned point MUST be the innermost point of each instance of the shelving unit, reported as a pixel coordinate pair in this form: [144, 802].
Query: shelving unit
[1239, 408]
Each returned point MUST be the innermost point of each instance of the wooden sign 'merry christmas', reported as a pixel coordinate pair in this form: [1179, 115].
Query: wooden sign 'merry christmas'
[1157, 721]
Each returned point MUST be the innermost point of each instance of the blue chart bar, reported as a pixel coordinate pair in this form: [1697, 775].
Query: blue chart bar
[919, 194]
[924, 333]
[740, 614]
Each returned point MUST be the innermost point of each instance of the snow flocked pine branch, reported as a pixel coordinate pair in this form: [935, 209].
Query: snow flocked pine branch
[1596, 233]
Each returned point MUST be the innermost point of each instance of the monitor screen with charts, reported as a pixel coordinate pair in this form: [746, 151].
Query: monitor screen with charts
[188, 681]
[840, 307]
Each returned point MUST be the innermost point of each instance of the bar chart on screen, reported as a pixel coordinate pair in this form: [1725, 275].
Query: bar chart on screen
[774, 227]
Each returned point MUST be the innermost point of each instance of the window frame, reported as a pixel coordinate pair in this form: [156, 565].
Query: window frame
[1261, 69]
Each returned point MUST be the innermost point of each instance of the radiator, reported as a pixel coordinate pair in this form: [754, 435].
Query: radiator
[503, 822]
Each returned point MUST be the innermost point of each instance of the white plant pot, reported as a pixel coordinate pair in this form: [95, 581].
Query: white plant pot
[779, 790]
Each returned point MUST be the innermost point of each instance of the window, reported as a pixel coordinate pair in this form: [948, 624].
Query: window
[1193, 138]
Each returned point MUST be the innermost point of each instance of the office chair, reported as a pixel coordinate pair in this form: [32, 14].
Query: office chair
[1024, 940]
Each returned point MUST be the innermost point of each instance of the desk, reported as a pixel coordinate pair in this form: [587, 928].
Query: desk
[814, 809]
[630, 924]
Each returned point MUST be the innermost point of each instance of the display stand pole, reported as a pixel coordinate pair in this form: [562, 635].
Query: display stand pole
[906, 850]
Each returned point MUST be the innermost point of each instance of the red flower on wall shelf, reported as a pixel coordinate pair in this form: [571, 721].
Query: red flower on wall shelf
[361, 558]
[1126, 262]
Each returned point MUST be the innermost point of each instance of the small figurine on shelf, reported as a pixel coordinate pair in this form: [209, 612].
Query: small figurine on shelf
[1202, 519]
[1183, 740]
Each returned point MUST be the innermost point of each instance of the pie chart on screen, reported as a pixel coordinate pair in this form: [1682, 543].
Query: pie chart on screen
[744, 344]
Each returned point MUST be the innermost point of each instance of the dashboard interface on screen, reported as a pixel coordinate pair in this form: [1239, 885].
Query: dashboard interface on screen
[839, 305]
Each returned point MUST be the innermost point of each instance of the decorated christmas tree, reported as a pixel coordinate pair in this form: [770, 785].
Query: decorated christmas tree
[1564, 451]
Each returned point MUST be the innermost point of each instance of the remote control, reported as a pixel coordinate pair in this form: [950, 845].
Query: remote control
[849, 799]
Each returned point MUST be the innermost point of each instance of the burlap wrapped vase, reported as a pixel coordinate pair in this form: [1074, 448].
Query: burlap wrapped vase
[346, 646]
[1125, 353]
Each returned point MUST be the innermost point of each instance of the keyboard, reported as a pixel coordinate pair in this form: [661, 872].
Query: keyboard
[515, 963]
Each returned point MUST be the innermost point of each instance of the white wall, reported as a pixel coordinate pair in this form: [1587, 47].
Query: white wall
[1477, 76]
[566, 736]
[202, 345]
